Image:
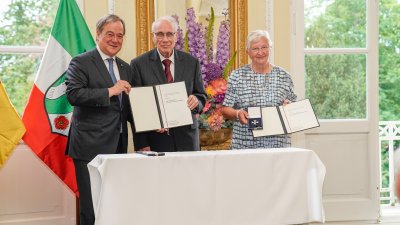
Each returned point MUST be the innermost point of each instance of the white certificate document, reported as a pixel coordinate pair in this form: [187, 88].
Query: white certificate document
[160, 106]
[293, 117]
[299, 116]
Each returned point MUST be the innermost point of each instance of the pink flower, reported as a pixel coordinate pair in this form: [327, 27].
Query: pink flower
[207, 106]
[215, 120]
[219, 86]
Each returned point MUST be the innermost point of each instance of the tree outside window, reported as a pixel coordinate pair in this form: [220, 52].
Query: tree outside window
[24, 29]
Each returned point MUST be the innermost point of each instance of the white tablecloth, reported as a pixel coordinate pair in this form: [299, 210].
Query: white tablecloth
[237, 187]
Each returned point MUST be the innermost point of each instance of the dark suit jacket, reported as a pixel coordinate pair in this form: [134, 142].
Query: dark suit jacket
[96, 119]
[148, 71]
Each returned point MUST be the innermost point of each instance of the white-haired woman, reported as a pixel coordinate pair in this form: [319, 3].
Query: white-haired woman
[259, 83]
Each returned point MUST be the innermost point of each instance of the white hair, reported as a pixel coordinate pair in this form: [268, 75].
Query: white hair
[168, 19]
[256, 35]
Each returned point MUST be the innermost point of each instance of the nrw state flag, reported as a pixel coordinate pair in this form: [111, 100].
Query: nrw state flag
[47, 116]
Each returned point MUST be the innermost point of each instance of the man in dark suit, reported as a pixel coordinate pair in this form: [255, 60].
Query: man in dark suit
[165, 64]
[97, 86]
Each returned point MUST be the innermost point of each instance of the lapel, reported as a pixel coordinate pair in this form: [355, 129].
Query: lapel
[104, 74]
[179, 67]
[121, 69]
[123, 75]
[156, 66]
[101, 67]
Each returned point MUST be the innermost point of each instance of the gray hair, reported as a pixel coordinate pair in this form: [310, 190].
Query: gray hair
[256, 35]
[110, 18]
[168, 19]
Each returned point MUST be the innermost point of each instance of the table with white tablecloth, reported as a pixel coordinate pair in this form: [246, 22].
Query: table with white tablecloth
[232, 187]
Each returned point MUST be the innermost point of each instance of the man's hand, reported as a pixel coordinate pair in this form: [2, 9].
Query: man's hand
[119, 87]
[192, 102]
[162, 130]
[144, 149]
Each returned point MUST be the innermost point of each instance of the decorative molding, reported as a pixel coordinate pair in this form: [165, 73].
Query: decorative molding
[145, 16]
[111, 6]
[238, 20]
[13, 49]
[237, 17]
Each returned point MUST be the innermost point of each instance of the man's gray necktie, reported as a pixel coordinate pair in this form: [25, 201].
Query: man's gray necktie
[112, 75]
[111, 70]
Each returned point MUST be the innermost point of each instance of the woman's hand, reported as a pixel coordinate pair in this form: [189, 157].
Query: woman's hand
[242, 116]
[285, 102]
[235, 114]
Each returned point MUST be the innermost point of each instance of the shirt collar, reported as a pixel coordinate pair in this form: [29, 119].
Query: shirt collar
[103, 55]
[172, 58]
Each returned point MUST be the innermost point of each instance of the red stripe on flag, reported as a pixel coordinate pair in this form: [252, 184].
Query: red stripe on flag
[49, 147]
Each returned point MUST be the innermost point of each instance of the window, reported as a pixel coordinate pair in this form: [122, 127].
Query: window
[24, 29]
[335, 47]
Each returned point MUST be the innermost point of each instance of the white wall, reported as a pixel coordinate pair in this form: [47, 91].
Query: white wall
[31, 194]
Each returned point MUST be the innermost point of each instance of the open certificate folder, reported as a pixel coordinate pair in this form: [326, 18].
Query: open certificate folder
[160, 106]
[293, 117]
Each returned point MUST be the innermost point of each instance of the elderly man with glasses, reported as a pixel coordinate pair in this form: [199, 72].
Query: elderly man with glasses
[162, 65]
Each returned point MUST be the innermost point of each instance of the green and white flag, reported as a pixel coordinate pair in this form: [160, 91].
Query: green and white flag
[48, 114]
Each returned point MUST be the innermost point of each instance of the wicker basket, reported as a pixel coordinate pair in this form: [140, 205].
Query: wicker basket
[215, 140]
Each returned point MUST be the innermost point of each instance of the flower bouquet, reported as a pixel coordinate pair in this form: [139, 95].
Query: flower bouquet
[215, 68]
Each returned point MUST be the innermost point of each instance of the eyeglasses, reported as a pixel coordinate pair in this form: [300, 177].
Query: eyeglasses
[161, 35]
[262, 49]
[111, 35]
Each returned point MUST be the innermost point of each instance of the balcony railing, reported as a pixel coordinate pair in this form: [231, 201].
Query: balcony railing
[389, 141]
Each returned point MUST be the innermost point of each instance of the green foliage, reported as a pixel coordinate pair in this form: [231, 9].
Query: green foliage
[342, 24]
[26, 23]
[389, 60]
[16, 77]
[228, 67]
[336, 84]
[186, 41]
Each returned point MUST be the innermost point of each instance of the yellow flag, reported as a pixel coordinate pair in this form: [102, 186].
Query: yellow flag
[11, 127]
